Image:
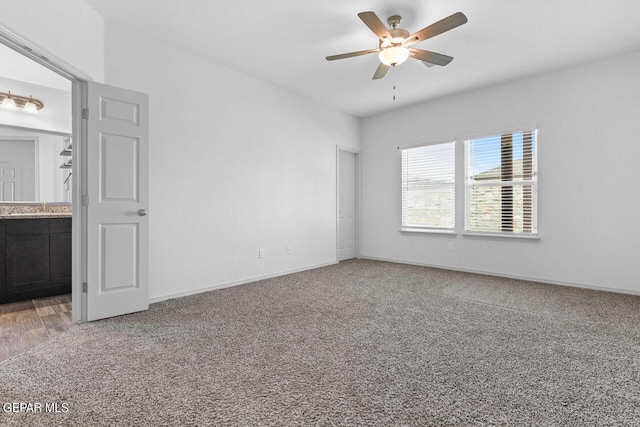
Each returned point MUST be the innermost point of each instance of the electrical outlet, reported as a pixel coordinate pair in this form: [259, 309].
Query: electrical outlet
[289, 249]
[451, 247]
[261, 253]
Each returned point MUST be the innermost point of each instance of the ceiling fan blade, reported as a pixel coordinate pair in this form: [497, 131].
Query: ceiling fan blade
[374, 23]
[439, 27]
[381, 71]
[431, 57]
[352, 54]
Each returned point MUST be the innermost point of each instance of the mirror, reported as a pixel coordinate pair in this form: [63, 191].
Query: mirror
[31, 144]
[35, 166]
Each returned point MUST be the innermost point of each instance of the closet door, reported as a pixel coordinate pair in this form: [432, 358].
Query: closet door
[346, 205]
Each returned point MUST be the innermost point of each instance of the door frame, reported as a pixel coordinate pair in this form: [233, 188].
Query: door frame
[357, 175]
[20, 44]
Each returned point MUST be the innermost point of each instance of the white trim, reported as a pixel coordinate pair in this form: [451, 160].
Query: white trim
[508, 276]
[36, 130]
[450, 231]
[238, 283]
[79, 217]
[347, 149]
[20, 44]
[36, 149]
[506, 235]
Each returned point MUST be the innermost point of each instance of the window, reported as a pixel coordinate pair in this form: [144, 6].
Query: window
[501, 184]
[428, 187]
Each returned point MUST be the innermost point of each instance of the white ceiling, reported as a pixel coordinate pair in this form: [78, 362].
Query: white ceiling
[285, 41]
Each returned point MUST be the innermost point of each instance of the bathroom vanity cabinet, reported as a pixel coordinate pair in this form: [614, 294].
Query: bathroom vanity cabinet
[35, 258]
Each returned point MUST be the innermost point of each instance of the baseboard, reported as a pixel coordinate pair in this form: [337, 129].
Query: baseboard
[237, 283]
[508, 276]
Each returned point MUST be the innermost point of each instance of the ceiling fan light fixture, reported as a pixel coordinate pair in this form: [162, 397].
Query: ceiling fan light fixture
[393, 56]
[394, 43]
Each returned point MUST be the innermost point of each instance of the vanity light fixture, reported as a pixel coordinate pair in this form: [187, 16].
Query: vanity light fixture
[8, 103]
[30, 107]
[15, 102]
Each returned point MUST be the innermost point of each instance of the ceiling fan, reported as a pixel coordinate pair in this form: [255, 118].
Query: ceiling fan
[394, 46]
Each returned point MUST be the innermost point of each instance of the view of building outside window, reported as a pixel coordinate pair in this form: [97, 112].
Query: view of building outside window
[501, 183]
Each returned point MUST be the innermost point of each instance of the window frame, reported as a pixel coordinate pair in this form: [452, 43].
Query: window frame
[454, 183]
[533, 183]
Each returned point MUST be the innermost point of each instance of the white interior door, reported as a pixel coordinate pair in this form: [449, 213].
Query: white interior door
[20, 154]
[117, 202]
[346, 205]
[9, 182]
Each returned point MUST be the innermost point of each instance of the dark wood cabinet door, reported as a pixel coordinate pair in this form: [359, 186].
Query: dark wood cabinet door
[60, 257]
[35, 259]
[27, 262]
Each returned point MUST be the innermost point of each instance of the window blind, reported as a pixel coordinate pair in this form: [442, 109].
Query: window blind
[501, 184]
[428, 187]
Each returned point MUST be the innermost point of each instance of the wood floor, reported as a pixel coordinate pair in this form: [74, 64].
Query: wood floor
[25, 324]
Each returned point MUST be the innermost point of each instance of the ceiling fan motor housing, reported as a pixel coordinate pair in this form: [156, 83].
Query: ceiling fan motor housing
[397, 34]
[394, 21]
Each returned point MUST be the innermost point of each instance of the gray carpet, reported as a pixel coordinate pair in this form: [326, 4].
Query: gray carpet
[359, 343]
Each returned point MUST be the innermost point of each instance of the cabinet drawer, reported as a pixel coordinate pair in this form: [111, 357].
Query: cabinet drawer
[20, 227]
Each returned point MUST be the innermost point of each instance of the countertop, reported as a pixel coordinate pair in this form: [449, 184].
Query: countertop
[34, 215]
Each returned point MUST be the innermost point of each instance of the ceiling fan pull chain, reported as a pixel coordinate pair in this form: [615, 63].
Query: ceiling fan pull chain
[393, 71]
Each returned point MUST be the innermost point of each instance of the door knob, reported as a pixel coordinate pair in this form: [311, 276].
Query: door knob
[142, 212]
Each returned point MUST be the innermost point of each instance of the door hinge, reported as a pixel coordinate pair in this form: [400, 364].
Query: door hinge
[85, 200]
[85, 113]
[85, 287]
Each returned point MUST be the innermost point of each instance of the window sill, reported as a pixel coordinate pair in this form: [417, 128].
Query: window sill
[503, 235]
[427, 231]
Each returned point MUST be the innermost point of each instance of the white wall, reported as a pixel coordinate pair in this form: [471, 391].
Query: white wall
[54, 117]
[235, 165]
[69, 29]
[588, 121]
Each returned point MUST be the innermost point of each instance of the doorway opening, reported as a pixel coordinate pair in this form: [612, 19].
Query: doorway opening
[40, 268]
